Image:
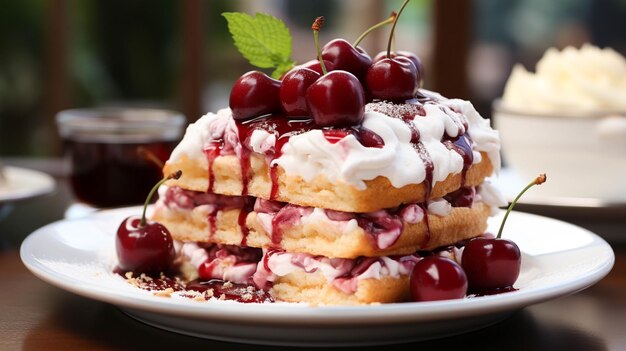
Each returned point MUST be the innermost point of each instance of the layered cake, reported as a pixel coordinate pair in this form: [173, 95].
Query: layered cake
[339, 216]
[330, 185]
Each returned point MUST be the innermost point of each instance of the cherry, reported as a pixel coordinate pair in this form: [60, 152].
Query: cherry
[491, 264]
[145, 247]
[401, 53]
[393, 79]
[343, 56]
[293, 91]
[494, 263]
[337, 98]
[437, 278]
[316, 66]
[254, 94]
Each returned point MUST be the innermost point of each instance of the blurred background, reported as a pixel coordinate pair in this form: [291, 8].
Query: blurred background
[59, 54]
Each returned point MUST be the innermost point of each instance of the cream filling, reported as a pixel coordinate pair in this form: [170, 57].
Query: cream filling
[228, 266]
[343, 274]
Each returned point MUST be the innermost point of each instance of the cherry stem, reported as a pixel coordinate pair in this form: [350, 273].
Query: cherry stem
[174, 175]
[317, 24]
[393, 28]
[537, 181]
[389, 20]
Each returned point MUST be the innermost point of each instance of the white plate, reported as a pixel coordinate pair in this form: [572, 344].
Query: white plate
[78, 256]
[23, 183]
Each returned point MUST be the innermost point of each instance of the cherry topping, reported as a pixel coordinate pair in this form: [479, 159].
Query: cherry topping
[316, 66]
[401, 53]
[494, 263]
[491, 264]
[144, 247]
[254, 94]
[336, 99]
[393, 79]
[343, 56]
[437, 278]
[293, 91]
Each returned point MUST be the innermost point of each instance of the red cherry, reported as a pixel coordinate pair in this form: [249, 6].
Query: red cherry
[494, 263]
[393, 79]
[401, 53]
[315, 66]
[254, 94]
[344, 56]
[146, 249]
[437, 278]
[491, 264]
[336, 99]
[293, 91]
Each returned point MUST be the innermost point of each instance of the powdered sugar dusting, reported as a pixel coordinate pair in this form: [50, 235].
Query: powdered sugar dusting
[402, 111]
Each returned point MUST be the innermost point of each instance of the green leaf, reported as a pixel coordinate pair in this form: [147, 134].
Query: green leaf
[282, 69]
[263, 40]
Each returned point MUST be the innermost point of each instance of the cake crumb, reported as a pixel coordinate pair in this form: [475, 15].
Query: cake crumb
[246, 296]
[164, 293]
[129, 275]
[228, 285]
[222, 297]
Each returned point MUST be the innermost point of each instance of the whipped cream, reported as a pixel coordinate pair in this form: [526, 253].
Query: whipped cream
[492, 196]
[310, 154]
[577, 81]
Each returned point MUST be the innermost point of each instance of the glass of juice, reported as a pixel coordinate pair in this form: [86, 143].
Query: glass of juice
[116, 154]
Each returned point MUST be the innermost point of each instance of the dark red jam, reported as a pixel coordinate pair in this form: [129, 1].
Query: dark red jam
[166, 284]
[223, 290]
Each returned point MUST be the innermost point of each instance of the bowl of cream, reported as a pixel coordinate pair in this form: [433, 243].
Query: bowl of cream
[568, 119]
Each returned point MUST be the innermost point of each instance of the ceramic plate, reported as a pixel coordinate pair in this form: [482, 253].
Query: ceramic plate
[78, 256]
[22, 183]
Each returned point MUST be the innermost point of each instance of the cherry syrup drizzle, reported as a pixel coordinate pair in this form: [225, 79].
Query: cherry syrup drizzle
[461, 144]
[211, 153]
[241, 220]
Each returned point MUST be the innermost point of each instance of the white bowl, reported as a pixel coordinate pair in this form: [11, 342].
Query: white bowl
[583, 156]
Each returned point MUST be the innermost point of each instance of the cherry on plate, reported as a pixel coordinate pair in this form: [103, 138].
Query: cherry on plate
[147, 248]
[437, 278]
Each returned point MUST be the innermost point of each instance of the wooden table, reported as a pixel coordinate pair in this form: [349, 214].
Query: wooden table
[37, 316]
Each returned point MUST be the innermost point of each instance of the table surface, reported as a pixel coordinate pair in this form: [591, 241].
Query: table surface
[38, 316]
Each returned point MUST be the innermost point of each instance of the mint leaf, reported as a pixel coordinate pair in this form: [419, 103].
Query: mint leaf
[282, 68]
[263, 40]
